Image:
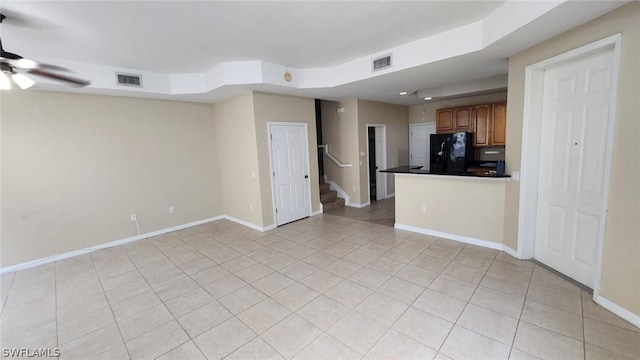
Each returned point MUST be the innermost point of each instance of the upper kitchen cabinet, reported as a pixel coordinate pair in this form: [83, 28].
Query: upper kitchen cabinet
[454, 120]
[481, 125]
[444, 121]
[498, 124]
[462, 119]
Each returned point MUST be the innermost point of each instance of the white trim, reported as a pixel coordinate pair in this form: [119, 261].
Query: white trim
[384, 163]
[391, 195]
[617, 309]
[460, 238]
[510, 251]
[306, 150]
[534, 81]
[359, 206]
[341, 193]
[319, 212]
[248, 224]
[58, 257]
[333, 158]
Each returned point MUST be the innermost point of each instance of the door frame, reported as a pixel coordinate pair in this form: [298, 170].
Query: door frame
[384, 158]
[270, 124]
[411, 126]
[530, 156]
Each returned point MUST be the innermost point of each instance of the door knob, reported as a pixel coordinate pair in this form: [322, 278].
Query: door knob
[306, 176]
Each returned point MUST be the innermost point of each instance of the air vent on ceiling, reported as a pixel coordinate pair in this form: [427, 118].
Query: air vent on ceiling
[382, 63]
[129, 80]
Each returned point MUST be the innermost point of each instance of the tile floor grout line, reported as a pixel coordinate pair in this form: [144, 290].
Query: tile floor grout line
[161, 301]
[467, 302]
[115, 321]
[513, 342]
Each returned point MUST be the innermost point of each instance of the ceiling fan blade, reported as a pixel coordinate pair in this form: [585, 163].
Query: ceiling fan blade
[58, 77]
[28, 64]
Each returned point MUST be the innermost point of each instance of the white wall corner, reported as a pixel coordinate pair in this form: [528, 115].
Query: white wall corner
[359, 206]
[250, 225]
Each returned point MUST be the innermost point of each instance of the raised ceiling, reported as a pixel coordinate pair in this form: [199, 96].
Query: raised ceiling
[210, 50]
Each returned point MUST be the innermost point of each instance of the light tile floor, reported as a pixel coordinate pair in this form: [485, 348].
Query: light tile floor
[326, 287]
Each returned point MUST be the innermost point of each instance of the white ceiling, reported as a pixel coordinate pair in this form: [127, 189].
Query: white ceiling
[434, 43]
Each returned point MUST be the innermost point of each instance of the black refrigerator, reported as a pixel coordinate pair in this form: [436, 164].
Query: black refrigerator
[451, 153]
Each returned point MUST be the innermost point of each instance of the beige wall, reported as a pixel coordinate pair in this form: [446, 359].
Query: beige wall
[469, 207]
[426, 113]
[281, 108]
[75, 167]
[239, 169]
[396, 119]
[340, 132]
[620, 280]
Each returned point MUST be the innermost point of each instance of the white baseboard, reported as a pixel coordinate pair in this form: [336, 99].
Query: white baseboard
[53, 258]
[618, 310]
[248, 224]
[510, 251]
[319, 212]
[464, 239]
[350, 204]
[391, 195]
[335, 187]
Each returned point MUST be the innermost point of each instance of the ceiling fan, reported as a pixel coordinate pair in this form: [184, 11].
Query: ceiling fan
[13, 67]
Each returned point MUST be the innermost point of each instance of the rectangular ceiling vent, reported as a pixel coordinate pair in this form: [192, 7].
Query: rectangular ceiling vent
[382, 63]
[129, 80]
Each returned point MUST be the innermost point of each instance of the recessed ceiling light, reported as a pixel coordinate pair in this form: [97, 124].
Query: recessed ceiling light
[428, 98]
[403, 93]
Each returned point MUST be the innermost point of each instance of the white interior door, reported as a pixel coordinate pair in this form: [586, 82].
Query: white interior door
[290, 162]
[419, 152]
[381, 164]
[575, 121]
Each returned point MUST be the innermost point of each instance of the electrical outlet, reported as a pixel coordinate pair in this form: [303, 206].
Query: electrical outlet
[171, 210]
[423, 208]
[134, 218]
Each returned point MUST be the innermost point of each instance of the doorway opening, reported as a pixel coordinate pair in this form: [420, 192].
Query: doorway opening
[377, 160]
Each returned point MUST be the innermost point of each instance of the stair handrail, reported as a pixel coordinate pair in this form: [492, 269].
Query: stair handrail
[333, 158]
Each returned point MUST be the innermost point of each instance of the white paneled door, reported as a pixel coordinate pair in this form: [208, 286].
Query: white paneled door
[420, 135]
[575, 122]
[290, 163]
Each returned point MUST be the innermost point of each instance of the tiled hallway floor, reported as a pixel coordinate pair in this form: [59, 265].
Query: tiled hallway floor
[326, 287]
[380, 212]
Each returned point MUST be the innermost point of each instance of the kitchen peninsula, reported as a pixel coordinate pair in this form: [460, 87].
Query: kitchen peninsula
[462, 207]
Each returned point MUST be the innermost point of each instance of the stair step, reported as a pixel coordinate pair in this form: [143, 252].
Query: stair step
[328, 196]
[324, 188]
[332, 205]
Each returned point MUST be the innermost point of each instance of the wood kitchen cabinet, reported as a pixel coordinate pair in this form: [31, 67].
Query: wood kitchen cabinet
[444, 121]
[462, 119]
[481, 125]
[454, 120]
[498, 124]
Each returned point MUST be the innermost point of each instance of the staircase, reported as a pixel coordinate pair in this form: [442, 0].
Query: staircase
[329, 198]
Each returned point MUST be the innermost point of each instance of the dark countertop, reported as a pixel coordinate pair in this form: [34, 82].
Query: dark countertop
[408, 169]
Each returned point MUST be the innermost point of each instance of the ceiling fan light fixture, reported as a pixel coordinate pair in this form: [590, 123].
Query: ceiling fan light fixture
[5, 84]
[23, 81]
[26, 63]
